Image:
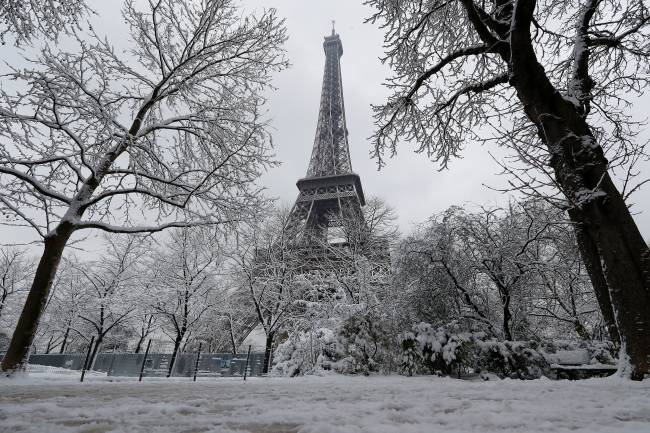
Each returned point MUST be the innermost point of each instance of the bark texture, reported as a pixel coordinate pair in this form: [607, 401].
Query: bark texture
[591, 257]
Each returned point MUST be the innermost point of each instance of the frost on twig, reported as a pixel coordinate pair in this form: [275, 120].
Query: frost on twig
[23, 21]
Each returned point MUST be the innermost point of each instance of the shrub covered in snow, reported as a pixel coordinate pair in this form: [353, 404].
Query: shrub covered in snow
[358, 344]
[599, 352]
[305, 353]
[513, 359]
[361, 344]
[442, 350]
[447, 350]
[602, 352]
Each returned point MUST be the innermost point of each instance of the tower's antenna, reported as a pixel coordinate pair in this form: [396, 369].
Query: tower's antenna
[333, 31]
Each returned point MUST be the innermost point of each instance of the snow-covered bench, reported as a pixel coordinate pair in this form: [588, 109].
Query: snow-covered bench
[576, 364]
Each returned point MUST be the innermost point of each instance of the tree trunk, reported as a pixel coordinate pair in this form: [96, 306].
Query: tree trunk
[138, 346]
[268, 351]
[48, 348]
[187, 341]
[626, 267]
[172, 361]
[144, 334]
[65, 340]
[234, 346]
[18, 352]
[591, 258]
[95, 351]
[507, 316]
[597, 206]
[2, 302]
[232, 338]
[581, 330]
[604, 225]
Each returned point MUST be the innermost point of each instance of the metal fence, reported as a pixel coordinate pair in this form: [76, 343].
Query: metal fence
[157, 364]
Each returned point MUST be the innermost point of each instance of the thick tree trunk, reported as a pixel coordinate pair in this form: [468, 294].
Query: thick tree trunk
[597, 206]
[591, 258]
[268, 351]
[604, 226]
[18, 351]
[626, 267]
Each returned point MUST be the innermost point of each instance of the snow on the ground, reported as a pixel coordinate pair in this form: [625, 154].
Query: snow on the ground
[322, 405]
[46, 372]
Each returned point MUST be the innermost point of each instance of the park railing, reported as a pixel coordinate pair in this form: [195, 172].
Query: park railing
[157, 364]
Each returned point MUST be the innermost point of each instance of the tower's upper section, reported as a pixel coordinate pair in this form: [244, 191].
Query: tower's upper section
[331, 154]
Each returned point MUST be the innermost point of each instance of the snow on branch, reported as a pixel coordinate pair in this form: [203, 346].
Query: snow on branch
[590, 57]
[23, 20]
[145, 229]
[172, 129]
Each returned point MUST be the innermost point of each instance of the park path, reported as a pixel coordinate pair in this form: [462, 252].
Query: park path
[323, 405]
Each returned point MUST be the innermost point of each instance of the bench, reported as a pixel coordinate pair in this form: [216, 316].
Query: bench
[575, 364]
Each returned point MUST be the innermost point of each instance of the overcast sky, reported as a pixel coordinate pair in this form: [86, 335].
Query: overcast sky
[410, 183]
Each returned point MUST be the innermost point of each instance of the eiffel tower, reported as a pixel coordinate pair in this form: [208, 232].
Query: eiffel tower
[330, 192]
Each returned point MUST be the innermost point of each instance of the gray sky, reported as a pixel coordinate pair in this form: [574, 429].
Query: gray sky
[410, 183]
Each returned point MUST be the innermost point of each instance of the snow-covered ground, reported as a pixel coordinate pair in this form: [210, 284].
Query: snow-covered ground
[47, 402]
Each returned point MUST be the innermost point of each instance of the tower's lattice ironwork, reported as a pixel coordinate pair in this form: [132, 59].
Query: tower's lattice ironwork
[331, 191]
[329, 202]
[331, 153]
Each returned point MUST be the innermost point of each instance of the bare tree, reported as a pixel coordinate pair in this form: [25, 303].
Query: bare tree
[108, 298]
[185, 285]
[61, 317]
[438, 257]
[563, 294]
[25, 20]
[552, 79]
[15, 273]
[173, 130]
[493, 269]
[145, 320]
[232, 319]
[266, 264]
[146, 326]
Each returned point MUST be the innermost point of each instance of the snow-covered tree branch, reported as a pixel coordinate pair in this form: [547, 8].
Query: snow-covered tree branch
[553, 82]
[170, 133]
[23, 21]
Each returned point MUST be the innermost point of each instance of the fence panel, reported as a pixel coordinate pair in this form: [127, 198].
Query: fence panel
[157, 364]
